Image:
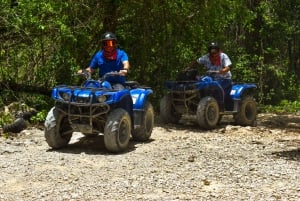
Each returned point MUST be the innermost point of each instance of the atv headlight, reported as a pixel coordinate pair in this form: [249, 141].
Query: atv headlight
[101, 99]
[66, 96]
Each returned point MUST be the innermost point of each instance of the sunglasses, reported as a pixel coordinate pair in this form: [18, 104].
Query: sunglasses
[108, 43]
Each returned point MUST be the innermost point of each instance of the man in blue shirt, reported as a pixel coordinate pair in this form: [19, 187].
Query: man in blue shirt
[110, 59]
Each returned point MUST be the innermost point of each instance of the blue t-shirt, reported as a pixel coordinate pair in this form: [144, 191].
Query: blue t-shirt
[105, 66]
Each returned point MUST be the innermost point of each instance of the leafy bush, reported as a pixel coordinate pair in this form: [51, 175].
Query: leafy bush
[5, 119]
[285, 106]
[39, 117]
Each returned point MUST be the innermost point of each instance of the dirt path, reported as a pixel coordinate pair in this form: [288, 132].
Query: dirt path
[181, 162]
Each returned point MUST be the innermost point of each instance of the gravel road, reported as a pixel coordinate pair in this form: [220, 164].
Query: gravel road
[180, 162]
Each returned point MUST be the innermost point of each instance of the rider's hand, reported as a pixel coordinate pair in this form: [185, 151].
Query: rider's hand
[123, 72]
[84, 71]
[224, 70]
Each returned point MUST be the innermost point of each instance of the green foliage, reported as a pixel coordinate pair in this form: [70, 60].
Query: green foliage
[7, 96]
[36, 101]
[245, 67]
[44, 42]
[278, 85]
[285, 106]
[6, 118]
[39, 117]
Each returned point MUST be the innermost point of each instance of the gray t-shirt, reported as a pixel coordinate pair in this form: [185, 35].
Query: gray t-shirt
[224, 61]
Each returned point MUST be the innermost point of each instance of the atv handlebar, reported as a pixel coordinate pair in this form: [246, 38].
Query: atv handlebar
[88, 75]
[113, 73]
[212, 72]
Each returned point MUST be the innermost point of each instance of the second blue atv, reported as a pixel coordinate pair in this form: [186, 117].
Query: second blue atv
[96, 108]
[204, 100]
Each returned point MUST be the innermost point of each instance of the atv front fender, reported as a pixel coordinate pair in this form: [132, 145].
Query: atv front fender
[139, 97]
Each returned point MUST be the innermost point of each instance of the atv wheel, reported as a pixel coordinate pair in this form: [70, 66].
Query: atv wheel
[167, 111]
[143, 133]
[208, 113]
[58, 131]
[246, 115]
[117, 130]
[17, 126]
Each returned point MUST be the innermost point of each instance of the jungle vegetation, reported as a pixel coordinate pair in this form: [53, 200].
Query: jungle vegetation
[43, 43]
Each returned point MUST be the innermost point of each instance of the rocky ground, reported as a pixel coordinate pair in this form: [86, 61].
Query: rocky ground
[180, 162]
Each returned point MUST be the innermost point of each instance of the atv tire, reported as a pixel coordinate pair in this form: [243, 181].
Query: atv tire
[117, 130]
[143, 133]
[167, 111]
[17, 126]
[58, 130]
[208, 113]
[246, 115]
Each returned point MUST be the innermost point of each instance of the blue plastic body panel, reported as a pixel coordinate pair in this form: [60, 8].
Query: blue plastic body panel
[97, 84]
[139, 97]
[75, 93]
[237, 90]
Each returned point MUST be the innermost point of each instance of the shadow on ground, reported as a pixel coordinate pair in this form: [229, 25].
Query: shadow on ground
[293, 154]
[287, 121]
[93, 145]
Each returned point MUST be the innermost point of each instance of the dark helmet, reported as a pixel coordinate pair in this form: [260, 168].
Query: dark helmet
[108, 40]
[108, 36]
[213, 45]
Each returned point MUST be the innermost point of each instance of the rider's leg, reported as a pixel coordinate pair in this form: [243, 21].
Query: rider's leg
[226, 85]
[118, 86]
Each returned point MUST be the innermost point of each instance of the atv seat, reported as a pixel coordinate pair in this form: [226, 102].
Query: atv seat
[132, 84]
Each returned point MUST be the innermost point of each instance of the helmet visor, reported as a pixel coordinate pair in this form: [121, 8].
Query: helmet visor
[108, 43]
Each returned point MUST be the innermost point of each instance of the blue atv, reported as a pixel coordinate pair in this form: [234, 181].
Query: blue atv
[204, 100]
[96, 108]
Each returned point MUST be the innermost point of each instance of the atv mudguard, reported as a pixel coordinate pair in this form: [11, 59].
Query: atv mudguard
[238, 90]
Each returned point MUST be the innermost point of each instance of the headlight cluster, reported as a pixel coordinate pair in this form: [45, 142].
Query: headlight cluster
[83, 98]
[66, 96]
[79, 99]
[101, 98]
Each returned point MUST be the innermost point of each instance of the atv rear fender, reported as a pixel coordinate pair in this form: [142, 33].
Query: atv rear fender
[239, 90]
[139, 98]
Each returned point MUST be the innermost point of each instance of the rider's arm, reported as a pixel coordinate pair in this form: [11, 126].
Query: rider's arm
[125, 69]
[203, 60]
[226, 62]
[126, 65]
